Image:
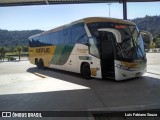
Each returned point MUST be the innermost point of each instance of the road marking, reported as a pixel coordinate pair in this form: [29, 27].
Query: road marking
[153, 73]
[40, 75]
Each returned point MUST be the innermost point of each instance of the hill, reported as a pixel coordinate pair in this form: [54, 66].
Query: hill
[14, 38]
[149, 23]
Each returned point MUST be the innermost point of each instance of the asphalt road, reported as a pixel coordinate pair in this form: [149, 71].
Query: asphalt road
[23, 87]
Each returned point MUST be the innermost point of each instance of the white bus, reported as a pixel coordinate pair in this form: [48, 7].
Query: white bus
[95, 47]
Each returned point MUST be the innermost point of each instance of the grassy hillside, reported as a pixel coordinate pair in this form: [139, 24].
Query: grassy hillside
[149, 23]
[14, 38]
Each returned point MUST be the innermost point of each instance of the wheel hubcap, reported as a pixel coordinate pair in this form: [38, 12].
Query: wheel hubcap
[87, 71]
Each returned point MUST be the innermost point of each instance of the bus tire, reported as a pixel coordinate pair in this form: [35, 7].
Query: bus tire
[41, 64]
[38, 65]
[85, 71]
[36, 62]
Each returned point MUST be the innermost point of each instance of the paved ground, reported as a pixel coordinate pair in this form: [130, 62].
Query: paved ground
[153, 58]
[24, 87]
[153, 63]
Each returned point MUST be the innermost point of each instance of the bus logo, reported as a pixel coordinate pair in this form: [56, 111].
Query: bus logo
[42, 50]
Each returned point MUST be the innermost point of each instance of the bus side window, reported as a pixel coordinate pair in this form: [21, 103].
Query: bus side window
[93, 47]
[69, 37]
[33, 42]
[47, 40]
[30, 42]
[54, 37]
[41, 41]
[65, 36]
[37, 42]
[79, 34]
[61, 38]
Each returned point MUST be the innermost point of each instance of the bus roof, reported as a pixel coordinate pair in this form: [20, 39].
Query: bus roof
[105, 19]
[88, 20]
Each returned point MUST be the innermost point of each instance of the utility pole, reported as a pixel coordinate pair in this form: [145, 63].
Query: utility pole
[124, 9]
[109, 8]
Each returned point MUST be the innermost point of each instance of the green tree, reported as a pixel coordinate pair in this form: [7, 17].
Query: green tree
[157, 43]
[25, 48]
[156, 40]
[148, 39]
[18, 49]
[3, 51]
[11, 49]
[148, 23]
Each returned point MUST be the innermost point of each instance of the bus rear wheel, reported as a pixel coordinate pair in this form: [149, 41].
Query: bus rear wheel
[41, 64]
[36, 63]
[85, 71]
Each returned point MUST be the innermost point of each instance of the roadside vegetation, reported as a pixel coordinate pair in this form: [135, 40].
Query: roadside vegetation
[151, 44]
[14, 44]
[150, 31]
[11, 53]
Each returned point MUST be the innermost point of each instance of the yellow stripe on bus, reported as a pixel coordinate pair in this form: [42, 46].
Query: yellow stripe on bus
[46, 53]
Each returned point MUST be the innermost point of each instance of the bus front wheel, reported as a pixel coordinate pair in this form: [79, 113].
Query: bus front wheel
[86, 71]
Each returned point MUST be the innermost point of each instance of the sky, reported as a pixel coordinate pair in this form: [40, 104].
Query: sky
[46, 17]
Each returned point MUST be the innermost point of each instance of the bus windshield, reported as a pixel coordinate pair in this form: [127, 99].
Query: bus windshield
[132, 46]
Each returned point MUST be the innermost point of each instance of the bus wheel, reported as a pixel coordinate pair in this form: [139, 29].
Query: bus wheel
[36, 62]
[86, 71]
[41, 64]
[38, 65]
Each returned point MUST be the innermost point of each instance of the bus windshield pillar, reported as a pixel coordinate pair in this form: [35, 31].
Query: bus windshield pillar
[124, 10]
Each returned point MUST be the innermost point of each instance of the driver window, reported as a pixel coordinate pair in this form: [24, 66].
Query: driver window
[93, 47]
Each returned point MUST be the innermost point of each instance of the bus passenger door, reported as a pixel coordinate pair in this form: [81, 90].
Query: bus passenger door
[106, 40]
